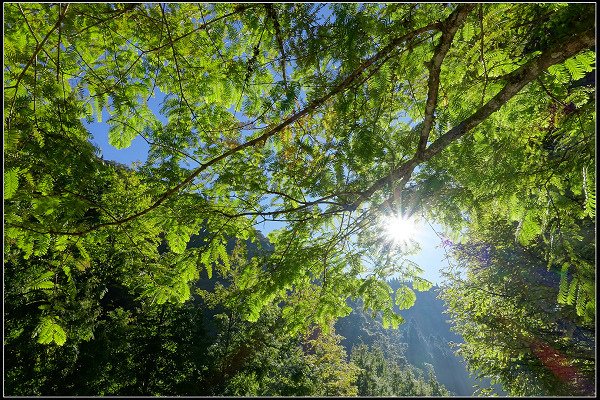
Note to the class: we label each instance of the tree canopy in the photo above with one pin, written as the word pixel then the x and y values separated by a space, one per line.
pixel 328 118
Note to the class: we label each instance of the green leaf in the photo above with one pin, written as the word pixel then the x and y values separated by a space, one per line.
pixel 563 286
pixel 49 331
pixel 188 271
pixel 529 230
pixel 11 183
pixel 405 297
pixel 586 60
pixel 575 68
pixel 45 285
pixel 420 284
pixel 571 296
pixel 177 241
pixel 468 32
pixel 97 108
pixel 162 295
pixel 391 319
pixel 41 282
pixel 61 243
pixel 205 258
pixel 589 190
pixel 222 253
pixel 121 136
pixel 41 245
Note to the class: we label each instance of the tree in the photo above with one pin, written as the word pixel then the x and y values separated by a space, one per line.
pixel 525 322
pixel 201 347
pixel 326 117
pixel 390 375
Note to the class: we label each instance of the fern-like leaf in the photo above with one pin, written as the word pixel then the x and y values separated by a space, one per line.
pixel 589 191
pixel 575 68
pixel 48 331
pixel 41 282
pixel 11 183
pixel 572 294
pixel 405 297
pixel 563 287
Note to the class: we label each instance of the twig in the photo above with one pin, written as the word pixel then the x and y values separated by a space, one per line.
pixel 38 48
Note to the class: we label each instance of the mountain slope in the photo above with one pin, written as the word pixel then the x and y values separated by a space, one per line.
pixel 424 338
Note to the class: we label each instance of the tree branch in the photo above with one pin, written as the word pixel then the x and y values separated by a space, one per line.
pixel 38 48
pixel 521 77
pixel 517 80
pixel 481 49
pixel 450 27
pixel 177 69
pixel 272 13
pixel 312 106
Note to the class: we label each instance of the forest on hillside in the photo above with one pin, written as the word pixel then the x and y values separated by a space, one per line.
pixel 291 146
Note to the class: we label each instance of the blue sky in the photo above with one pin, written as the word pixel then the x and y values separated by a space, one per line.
pixel 432 256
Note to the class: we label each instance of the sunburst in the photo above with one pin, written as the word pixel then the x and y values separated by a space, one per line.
pixel 400 229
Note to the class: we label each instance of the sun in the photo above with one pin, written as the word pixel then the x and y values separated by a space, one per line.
pixel 400 229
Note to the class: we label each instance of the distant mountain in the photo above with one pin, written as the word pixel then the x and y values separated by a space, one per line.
pixel 424 338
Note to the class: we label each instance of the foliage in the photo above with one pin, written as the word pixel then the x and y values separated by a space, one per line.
pixel 385 376
pixel 505 306
pixel 326 117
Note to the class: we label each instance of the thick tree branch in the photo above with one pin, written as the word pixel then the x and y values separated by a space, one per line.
pixel 517 80
pixel 450 27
